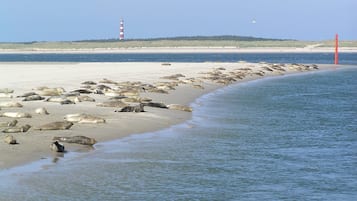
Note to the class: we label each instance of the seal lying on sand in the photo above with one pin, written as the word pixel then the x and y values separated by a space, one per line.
pixel 52 91
pixel 116 103
pixel 6 91
pixel 8 123
pixel 41 110
pixel 10 104
pixel 84 118
pixel 77 139
pixel 5 95
pixel 135 108
pixel 58 125
pixel 17 129
pixel 16 115
pixel 27 94
pixel 179 107
pixel 9 139
pixel 57 147
pixel 60 99
pixel 154 104
pixel 33 98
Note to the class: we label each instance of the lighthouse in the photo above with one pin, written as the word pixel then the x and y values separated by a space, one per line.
pixel 121 33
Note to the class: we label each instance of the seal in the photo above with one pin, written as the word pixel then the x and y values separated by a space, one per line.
pixel 5 95
pixel 57 147
pixel 41 110
pixel 89 83
pixel 16 115
pixel 17 129
pixel 9 139
pixel 58 125
pixel 6 91
pixel 179 107
pixel 83 91
pixel 116 103
pixel 51 91
pixel 154 104
pixel 135 108
pixel 84 118
pixel 27 94
pixel 77 139
pixel 10 104
pixel 59 99
pixel 33 98
pixel 8 123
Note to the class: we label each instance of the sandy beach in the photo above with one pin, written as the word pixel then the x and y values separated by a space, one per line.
pixel 184 82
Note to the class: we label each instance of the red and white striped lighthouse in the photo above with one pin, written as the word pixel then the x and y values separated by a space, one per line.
pixel 121 33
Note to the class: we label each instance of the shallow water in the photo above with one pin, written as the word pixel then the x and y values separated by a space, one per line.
pixel 286 138
pixel 309 58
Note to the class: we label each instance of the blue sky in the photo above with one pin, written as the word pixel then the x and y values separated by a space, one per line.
pixel 64 20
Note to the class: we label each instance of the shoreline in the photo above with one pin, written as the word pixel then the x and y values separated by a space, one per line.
pixel 153 120
pixel 173 50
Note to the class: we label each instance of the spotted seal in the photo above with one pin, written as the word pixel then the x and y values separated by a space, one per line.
pixel 135 108
pixel 179 107
pixel 76 139
pixel 58 125
pixel 10 104
pixel 8 123
pixel 57 147
pixel 9 139
pixel 84 118
pixel 41 110
pixel 16 115
pixel 33 98
pixel 17 129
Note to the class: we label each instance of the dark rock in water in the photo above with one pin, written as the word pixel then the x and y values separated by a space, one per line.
pixel 158 105
pixel 77 139
pixel 136 108
pixel 57 147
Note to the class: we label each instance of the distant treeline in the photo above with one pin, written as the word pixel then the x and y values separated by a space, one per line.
pixel 195 38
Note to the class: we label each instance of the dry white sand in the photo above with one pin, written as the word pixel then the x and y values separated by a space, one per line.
pixel 34 145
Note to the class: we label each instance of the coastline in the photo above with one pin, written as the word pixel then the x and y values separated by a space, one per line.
pixel 34 145
pixel 148 50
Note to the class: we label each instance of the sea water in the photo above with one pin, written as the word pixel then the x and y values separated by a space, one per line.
pixel 309 58
pixel 286 138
